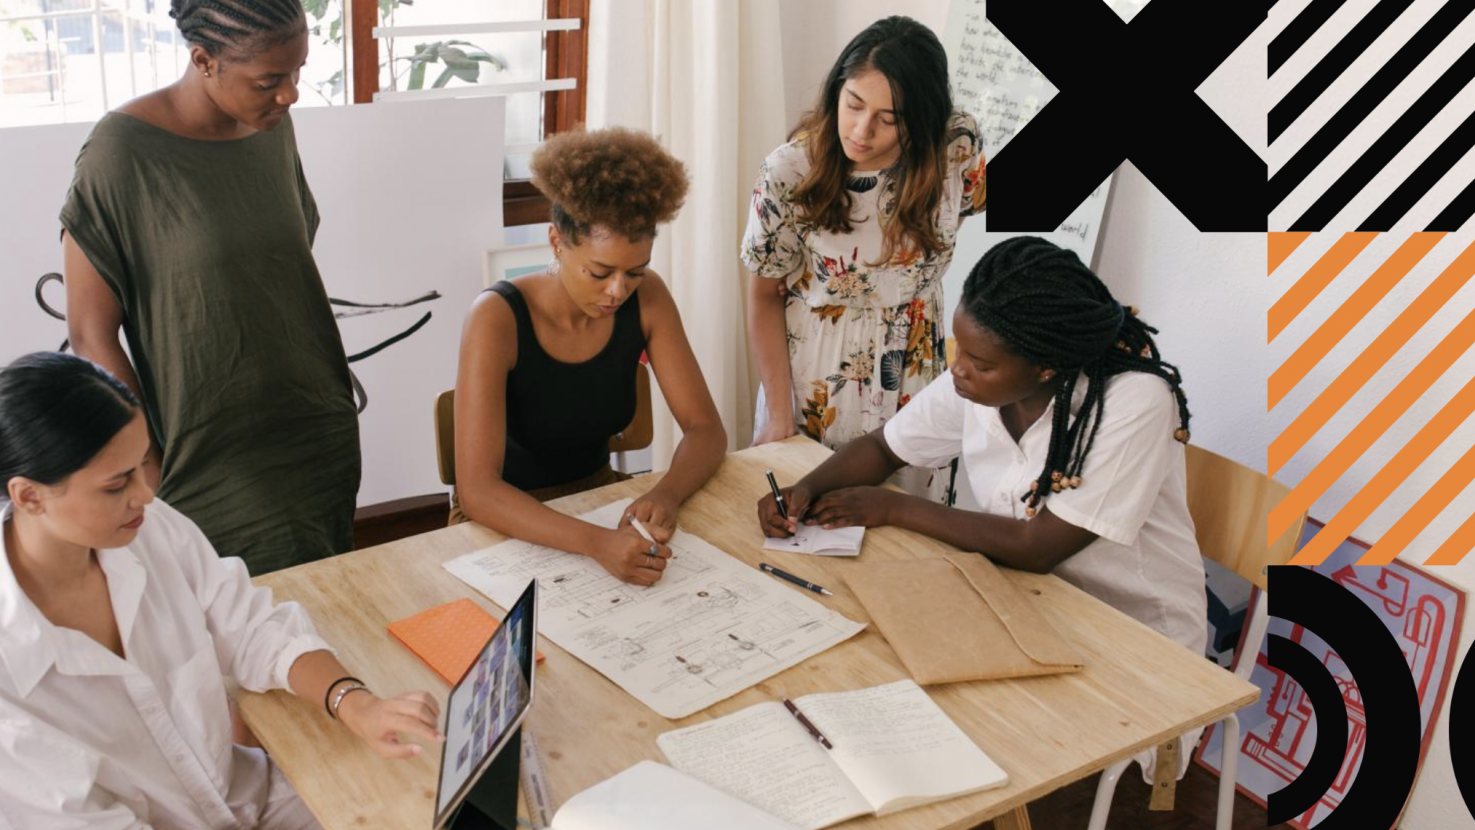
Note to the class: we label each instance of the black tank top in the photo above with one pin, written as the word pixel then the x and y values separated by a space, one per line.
pixel 560 416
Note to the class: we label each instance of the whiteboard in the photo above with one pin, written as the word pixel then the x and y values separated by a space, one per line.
pixel 410 196
pixel 1002 90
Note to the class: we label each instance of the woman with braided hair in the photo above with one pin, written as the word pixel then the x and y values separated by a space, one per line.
pixel 189 228
pixel 1070 427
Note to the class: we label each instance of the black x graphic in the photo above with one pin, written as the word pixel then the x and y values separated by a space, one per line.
pixel 1127 92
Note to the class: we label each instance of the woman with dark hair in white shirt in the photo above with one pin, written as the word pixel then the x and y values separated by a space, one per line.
pixel 119 625
pixel 1070 429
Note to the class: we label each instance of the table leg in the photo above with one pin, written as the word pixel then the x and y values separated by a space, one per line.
pixel 1016 819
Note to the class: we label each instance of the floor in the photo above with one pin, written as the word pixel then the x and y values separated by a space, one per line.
pixel 1197 797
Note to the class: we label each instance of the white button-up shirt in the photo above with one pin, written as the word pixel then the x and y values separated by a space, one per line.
pixel 1133 494
pixel 88 739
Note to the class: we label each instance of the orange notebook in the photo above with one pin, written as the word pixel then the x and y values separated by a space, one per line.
pixel 447 637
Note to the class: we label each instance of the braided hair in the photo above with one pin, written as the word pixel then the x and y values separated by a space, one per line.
pixel 220 25
pixel 1049 308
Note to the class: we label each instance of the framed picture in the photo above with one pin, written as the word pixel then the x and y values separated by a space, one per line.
pixel 506 263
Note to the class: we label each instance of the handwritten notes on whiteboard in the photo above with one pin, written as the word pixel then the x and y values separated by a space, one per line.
pixel 1004 91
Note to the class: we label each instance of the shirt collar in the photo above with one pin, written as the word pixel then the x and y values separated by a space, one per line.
pixel 30 644
pixel 1044 422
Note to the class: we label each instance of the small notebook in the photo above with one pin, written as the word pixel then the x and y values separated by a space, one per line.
pixel 447 637
pixel 959 618
pixel 844 541
pixel 893 749
pixel 652 796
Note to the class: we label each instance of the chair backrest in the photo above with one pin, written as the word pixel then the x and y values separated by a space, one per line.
pixel 1230 504
pixel 637 436
pixel 642 430
pixel 445 436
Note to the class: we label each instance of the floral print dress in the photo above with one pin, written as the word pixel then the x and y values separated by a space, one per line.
pixel 863 339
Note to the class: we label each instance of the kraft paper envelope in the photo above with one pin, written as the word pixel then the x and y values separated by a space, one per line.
pixel 958 619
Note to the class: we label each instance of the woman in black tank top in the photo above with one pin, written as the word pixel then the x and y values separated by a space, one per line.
pixel 548 361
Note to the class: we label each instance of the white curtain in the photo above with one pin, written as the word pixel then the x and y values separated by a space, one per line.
pixel 706 78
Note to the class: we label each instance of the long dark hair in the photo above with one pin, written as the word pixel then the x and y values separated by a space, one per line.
pixel 915 65
pixel 1048 307
pixel 57 411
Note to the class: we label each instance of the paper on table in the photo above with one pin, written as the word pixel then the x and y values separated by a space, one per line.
pixel 900 748
pixel 763 756
pixel 843 541
pixel 709 629
pixel 652 796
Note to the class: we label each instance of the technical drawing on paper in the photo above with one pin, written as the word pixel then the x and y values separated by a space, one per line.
pixel 709 629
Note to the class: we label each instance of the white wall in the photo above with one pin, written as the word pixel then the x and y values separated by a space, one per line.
pixel 814 32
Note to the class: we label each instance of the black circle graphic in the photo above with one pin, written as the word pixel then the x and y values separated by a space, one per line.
pixel 1389 699
pixel 1331 728
pixel 1459 735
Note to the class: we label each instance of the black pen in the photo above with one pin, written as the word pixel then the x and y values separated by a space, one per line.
pixel 813 730
pixel 783 509
pixel 788 577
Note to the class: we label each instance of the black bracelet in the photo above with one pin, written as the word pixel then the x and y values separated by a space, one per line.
pixel 329 693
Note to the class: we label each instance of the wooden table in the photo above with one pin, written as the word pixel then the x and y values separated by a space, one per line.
pixel 1138 688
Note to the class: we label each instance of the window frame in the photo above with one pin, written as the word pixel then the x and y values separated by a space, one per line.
pixel 565 53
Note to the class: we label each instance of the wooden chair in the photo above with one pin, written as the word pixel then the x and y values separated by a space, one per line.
pixel 1230 504
pixel 636 436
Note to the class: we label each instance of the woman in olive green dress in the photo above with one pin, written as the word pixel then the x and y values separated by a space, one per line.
pixel 189 228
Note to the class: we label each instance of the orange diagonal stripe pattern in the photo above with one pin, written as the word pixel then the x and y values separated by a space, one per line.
pixel 1372 427
pixel 1331 332
pixel 1306 289
pixel 1461 543
pixel 1283 244
pixel 1373 358
pixel 1429 505
pixel 1394 473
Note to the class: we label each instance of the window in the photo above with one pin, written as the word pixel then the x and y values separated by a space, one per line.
pixel 73 60
pixel 531 51
pixel 63 61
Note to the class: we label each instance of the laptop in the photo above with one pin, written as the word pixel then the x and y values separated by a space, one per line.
pixel 483 713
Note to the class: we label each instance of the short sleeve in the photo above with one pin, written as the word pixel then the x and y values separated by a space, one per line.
pixel 928 430
pixel 309 204
pixel 965 152
pixel 256 639
pixel 771 245
pixel 1126 466
pixel 91 215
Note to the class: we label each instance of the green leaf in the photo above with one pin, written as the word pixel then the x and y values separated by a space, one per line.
pixel 335 29
pixel 445 77
pixel 417 76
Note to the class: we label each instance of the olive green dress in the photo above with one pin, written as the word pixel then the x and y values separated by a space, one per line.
pixel 207 246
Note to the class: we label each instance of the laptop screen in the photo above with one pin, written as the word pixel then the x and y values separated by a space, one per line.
pixel 488 704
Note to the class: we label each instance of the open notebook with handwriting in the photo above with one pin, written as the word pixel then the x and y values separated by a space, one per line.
pixel 893 749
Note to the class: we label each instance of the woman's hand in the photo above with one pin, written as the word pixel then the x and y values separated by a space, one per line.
pixel 796 500
pixel 778 428
pixel 854 507
pixel 379 722
pixel 656 512
pixel 630 558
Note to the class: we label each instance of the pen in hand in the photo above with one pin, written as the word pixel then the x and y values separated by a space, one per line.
pixel 783 509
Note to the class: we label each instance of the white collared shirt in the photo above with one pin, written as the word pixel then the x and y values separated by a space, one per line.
pixel 88 739
pixel 1133 494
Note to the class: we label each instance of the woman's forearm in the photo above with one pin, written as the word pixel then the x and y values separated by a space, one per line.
pixel 515 514
pixel 697 457
pixel 862 462
pixel 769 339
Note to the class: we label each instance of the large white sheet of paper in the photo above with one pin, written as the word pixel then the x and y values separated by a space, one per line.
pixel 709 629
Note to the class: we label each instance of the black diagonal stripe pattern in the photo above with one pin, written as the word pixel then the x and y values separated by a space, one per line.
pixel 1406 62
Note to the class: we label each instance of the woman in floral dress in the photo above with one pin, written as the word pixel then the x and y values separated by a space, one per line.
pixel 852 228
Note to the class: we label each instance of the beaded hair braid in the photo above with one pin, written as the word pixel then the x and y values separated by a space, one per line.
pixel 1048 307
pixel 218 25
